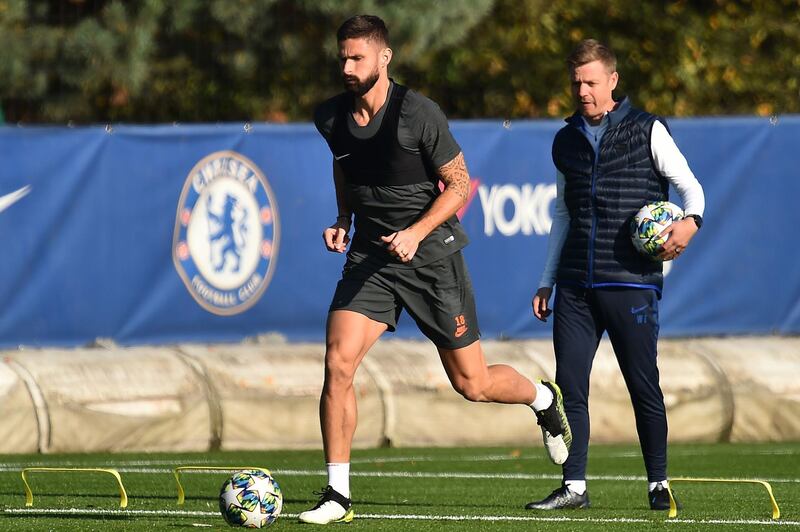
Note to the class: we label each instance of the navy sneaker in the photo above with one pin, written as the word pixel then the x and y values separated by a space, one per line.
pixel 561 499
pixel 659 498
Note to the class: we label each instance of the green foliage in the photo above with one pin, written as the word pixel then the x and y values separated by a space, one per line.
pixel 675 58
pixel 222 60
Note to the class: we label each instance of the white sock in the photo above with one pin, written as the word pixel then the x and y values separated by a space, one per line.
pixel 653 485
pixel 339 478
pixel 544 398
pixel 576 486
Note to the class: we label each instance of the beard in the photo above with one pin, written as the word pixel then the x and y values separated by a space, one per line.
pixel 359 88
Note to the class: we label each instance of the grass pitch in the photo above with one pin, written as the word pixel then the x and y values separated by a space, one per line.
pixel 456 489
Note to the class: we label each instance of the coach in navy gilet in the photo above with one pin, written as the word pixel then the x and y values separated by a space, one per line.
pixel 611 160
pixel 606 183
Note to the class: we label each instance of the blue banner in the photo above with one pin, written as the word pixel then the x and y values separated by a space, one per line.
pixel 161 234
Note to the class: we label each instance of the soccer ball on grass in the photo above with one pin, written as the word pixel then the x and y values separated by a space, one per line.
pixel 250 499
pixel 649 222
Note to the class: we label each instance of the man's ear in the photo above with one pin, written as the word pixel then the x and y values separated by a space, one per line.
pixel 386 57
pixel 614 80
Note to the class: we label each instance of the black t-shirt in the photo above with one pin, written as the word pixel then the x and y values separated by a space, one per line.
pixel 380 205
pixel 422 128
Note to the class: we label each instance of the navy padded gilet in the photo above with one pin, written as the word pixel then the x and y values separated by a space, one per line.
pixel 603 195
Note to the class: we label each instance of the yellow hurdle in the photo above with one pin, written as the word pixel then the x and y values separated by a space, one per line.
pixel 673 509
pixel 177 473
pixel 123 496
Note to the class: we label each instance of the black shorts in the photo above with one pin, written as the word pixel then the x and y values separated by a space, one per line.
pixel 438 296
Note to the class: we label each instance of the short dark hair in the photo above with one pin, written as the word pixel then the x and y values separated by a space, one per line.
pixel 367 27
pixel 589 50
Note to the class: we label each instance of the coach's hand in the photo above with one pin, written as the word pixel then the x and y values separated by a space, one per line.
pixel 680 233
pixel 540 303
pixel 402 244
pixel 336 237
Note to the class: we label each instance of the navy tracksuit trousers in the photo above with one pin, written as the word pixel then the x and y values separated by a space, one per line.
pixel 630 316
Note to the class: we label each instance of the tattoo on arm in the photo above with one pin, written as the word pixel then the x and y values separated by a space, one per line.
pixel 455 177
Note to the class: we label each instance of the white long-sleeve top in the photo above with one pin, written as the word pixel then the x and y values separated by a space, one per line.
pixel 669 161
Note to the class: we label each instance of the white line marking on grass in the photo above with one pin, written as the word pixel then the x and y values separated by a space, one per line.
pixel 478 458
pixel 109 463
pixel 419 474
pixel 496 476
pixel 735 522
pixel 422 458
pixel 778 451
pixel 100 511
pixel 715 453
pixel 386 460
pixel 538 457
pixel 405 517
pixel 499 476
pixel 147 470
pixel 393 459
pixel 555 519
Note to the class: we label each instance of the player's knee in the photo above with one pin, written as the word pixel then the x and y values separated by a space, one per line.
pixel 471 389
pixel 339 370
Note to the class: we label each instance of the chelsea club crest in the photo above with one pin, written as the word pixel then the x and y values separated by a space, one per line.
pixel 226 236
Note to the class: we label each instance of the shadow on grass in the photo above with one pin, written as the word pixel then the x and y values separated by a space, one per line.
pixel 364 503
pixel 95 517
pixel 113 492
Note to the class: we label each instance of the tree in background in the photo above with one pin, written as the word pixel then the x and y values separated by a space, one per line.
pixel 223 60
pixel 63 61
pixel 676 58
pixel 195 60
